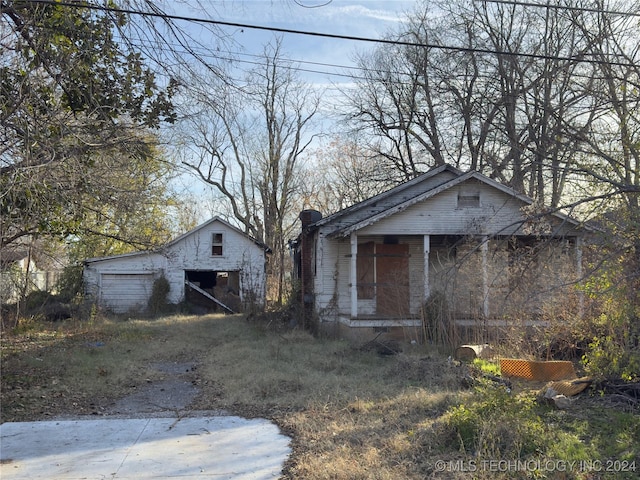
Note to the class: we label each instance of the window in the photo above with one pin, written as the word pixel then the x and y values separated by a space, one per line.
pixel 468 199
pixel 216 244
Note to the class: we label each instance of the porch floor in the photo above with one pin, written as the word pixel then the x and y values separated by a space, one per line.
pixel 368 321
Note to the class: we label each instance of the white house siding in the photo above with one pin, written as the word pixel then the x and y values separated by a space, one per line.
pixel 333 291
pixel 440 215
pixel 135 271
pixel 190 252
pixel 329 257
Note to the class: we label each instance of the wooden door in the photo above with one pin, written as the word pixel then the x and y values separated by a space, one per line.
pixel 392 280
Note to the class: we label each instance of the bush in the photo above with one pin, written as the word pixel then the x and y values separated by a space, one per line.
pixel 43 305
pixel 612 359
pixel 36 300
pixel 70 284
pixel 158 302
pixel 497 424
pixel 614 351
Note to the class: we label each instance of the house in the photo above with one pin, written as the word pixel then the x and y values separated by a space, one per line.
pixel 215 264
pixel 446 247
pixel 28 266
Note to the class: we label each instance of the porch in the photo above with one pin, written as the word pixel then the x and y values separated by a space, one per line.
pixel 476 279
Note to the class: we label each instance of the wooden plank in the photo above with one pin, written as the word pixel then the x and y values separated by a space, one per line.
pixel 392 280
pixel 208 295
pixel 366 270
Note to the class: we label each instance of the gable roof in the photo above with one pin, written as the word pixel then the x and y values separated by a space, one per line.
pixel 373 202
pixel 227 225
pixel 181 238
pixel 403 196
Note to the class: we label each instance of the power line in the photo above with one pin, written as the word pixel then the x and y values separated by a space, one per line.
pixel 166 16
pixel 562 7
pixel 287 63
pixel 293 64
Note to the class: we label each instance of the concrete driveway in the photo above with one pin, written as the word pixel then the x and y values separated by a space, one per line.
pixel 220 447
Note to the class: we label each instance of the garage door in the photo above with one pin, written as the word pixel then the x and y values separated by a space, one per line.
pixel 121 293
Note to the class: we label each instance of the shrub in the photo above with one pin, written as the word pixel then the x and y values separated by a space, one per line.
pixel 612 358
pixel 70 283
pixel 36 300
pixel 158 300
pixel 497 424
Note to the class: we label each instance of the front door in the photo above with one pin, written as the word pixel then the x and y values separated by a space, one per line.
pixel 392 280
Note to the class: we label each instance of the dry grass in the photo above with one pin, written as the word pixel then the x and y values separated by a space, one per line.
pixel 351 413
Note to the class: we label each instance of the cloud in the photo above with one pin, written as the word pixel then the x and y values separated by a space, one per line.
pixel 361 11
pixel 334 17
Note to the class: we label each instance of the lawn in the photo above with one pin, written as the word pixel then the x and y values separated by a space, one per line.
pixel 351 412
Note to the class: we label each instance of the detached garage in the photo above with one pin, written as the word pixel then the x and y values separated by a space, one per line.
pixel 214 265
pixel 125 291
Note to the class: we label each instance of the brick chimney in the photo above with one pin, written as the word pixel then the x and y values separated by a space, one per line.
pixel 307 217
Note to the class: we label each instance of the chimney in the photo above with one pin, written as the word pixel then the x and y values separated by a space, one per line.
pixel 307 217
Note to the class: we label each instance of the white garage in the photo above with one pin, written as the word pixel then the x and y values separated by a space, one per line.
pixel 215 264
pixel 122 292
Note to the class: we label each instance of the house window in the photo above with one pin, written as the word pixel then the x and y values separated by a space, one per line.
pixel 216 244
pixel 468 199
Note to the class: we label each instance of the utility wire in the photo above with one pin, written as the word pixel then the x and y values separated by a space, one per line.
pixel 294 64
pixel 562 7
pixel 166 16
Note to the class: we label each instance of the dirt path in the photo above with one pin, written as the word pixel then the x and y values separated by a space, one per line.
pixel 173 392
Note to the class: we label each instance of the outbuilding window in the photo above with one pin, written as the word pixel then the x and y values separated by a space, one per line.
pixel 216 244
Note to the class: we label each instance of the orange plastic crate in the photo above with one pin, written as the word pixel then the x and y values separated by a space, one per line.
pixel 542 371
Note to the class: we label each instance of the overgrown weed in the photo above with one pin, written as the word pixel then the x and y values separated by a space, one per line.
pixel 351 413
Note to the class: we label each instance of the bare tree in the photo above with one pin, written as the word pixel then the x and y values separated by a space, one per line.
pixel 502 96
pixel 610 147
pixel 249 142
pixel 344 172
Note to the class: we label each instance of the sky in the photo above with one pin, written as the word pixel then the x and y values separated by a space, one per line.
pixel 356 18
pixel 360 18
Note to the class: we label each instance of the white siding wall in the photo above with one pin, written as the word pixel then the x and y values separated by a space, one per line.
pixel 146 266
pixel 334 290
pixel 440 215
pixel 190 252
pixel 498 214
pixel 239 253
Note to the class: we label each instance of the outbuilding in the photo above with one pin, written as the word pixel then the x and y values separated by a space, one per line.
pixel 215 265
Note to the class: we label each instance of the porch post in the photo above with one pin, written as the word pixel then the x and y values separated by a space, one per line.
pixel 484 248
pixel 427 249
pixel 353 275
